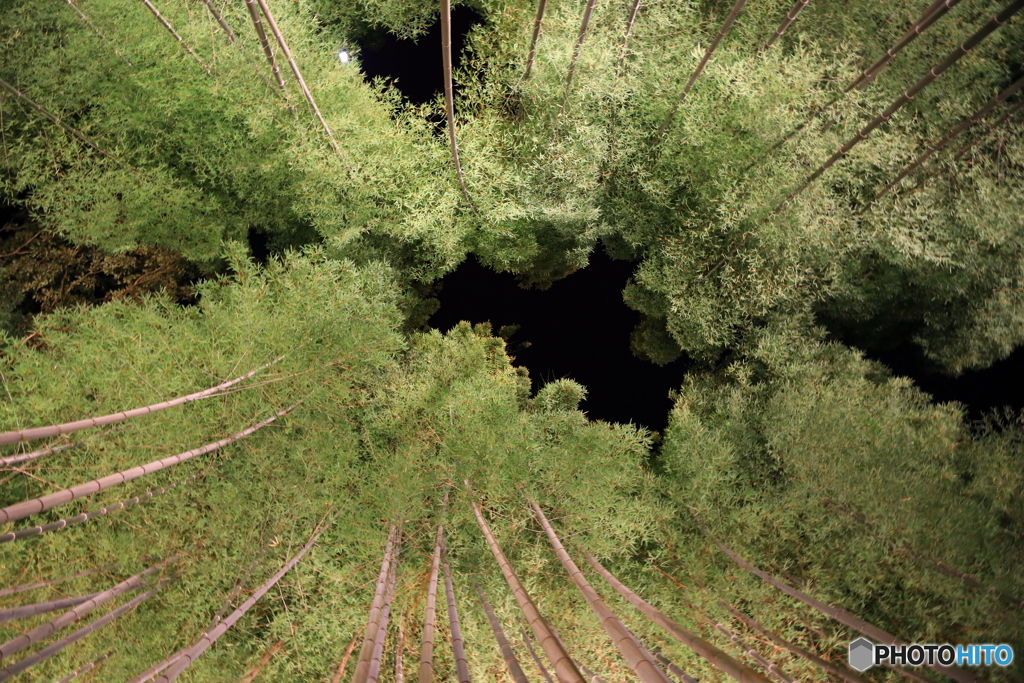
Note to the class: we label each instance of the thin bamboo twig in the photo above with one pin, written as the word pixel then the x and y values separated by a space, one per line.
pixel 726 25
pixel 580 38
pixel 538 20
pixel 33 636
pixel 263 661
pixel 643 666
pixel 683 676
pixel 181 41
pixel 69 427
pixel 191 654
pixel 714 656
pixel 565 670
pixel 511 663
pixel 34 506
pixel 51 582
pixel 791 16
pixel 24 457
pixel 449 94
pixel 85 669
pixel 86 516
pixel 426 667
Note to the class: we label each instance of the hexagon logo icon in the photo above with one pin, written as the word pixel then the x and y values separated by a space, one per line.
pixel 862 654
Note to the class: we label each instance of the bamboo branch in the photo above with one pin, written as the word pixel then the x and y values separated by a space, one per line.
pixel 726 25
pixel 181 41
pixel 340 673
pixel 715 657
pixel 644 667
pixel 995 124
pixel 34 506
pixel 449 94
pixel 24 457
pixel 191 654
pixel 373 621
pixel 936 71
pixel 85 669
pixel 533 653
pixel 683 676
pixel 582 36
pixel 99 34
pixel 628 33
pixel 69 427
pixel 536 35
pixel 565 670
pixel 790 18
pixel 263 661
pixel 426 668
pixel 220 20
pixel 511 663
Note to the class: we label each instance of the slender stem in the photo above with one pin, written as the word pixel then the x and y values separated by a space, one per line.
pixel 220 20
pixel 24 457
pixel 340 673
pixel 455 629
pixel 268 51
pixel 533 653
pixel 514 669
pixel 385 614
pixel 449 94
pixel 582 36
pixel 426 668
pixel 628 33
pixel 85 669
pixel 791 16
pixel 768 666
pixel 181 41
pixel 538 20
pixel 373 621
pixel 51 582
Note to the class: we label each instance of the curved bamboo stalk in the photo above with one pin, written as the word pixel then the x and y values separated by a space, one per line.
pixel 449 94
pixel 51 582
pixel 565 670
pixel 536 35
pixel 848 676
pixel 181 41
pixel 15 613
pixel 768 666
pixel 268 51
pixel 726 25
pixel 841 615
pixel 426 668
pixel 298 74
pixel 952 135
pixel 85 669
pixel 584 25
pixel 511 663
pixel 382 632
pixel 533 653
pixel 69 427
pixel 930 16
pixel 191 654
pixel 51 650
pixel 455 629
pixel 717 658
pixel 28 508
pixel 86 516
pixel 73 132
pixel 24 457
pixel 33 636
pixel 936 71
pixel 340 673
pixel 791 16
pixel 644 667
pixel 373 620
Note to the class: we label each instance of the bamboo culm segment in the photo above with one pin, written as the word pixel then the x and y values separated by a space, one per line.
pixel 86 516
pixel 514 669
pixel 181 41
pixel 373 621
pixel 385 615
pixel 533 653
pixel 15 613
pixel 69 427
pixel 268 51
pixel 449 95
pixel 584 26
pixel 426 668
pixel 644 667
pixel 34 506
pixel 910 93
pixel 36 635
pixel 537 22
pixel 454 627
pixel 340 673
pixel 565 670
pixel 768 666
pixel 191 654
pixel 25 457
pixel 683 676
pixel 718 659
pixel 791 16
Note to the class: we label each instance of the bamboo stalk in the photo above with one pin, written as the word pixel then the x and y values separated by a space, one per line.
pixel 533 653
pixel 936 71
pixel 683 676
pixel 426 668
pixel 15 613
pixel 382 632
pixel 399 649
pixel 37 634
pixel 791 16
pixel 340 673
pixel 768 666
pixel 455 629
pixel 841 615
pixel 50 650
pixel 449 94
pixel 726 25
pixel 191 654
pixel 848 676
pixel 263 661
pixel 628 33
pixel 268 51
pixel 538 20
pixel 717 658
pixel 24 457
pixel 220 20
pixel 644 667
pixel 69 427
pixel 73 132
pixel 373 620
pixel 930 16
pixel 582 36
pixel 181 41
pixel 670 668
pixel 42 584
pixel 565 669
pixel 99 34
pixel 511 663
pixel 85 669
pixel 995 124
pixel 298 74
pixel 941 144
pixel 236 589
pixel 86 516
pixel 34 506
